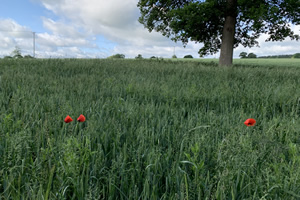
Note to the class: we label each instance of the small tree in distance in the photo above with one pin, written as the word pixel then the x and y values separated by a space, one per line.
pixel 117 56
pixel 139 56
pixel 188 56
pixel 243 55
pixel 252 55
pixel 17 52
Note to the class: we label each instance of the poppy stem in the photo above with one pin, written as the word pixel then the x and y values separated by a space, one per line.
pixel 67 130
pixel 76 129
pixel 64 130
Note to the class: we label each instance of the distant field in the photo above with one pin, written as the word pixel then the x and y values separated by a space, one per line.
pixel 276 62
pixel 154 129
pixel 281 62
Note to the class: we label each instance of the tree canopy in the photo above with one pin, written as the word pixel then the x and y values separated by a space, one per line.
pixel 252 55
pixel 206 21
pixel 17 52
pixel 243 55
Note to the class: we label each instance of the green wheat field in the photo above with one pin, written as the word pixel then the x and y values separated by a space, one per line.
pixel 154 129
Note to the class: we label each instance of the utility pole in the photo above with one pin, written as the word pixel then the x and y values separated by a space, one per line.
pixel 33 34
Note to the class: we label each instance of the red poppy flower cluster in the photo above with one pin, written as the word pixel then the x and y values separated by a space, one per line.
pixel 68 119
pixel 250 122
pixel 81 118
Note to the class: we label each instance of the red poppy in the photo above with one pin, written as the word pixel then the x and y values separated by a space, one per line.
pixel 68 119
pixel 81 118
pixel 250 122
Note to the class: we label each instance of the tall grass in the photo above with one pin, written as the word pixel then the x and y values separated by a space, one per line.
pixel 154 130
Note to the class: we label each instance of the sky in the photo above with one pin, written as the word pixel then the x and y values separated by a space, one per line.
pixel 98 29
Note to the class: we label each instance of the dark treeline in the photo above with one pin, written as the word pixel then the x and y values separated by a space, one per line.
pixel 297 55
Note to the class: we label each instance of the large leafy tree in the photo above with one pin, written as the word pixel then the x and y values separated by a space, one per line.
pixel 221 24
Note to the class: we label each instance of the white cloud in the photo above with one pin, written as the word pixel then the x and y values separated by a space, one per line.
pixel 117 21
pixel 13 28
pixel 60 28
pixel 11 35
pixel 113 13
pixel 64 40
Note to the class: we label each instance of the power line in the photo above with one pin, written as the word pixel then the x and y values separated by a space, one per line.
pixel 15 31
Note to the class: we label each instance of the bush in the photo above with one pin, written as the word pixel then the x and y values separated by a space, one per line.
pixel 174 56
pixel 117 56
pixel 188 56
pixel 139 56
pixel 28 56
pixel 18 56
pixel 296 55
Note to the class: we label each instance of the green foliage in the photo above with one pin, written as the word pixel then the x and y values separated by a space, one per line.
pixel 155 129
pixel 243 55
pixel 18 56
pixel 17 52
pixel 203 21
pixel 174 56
pixel 252 55
pixel 117 56
pixel 139 56
pixel 188 56
pixel 28 57
pixel 296 55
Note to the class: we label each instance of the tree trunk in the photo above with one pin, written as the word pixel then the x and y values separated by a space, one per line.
pixel 226 54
